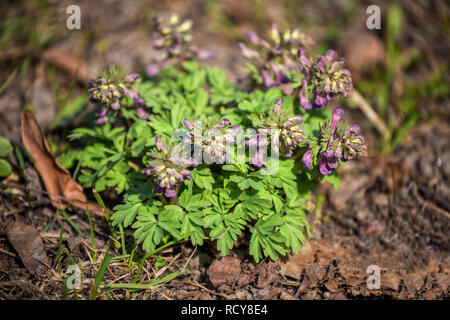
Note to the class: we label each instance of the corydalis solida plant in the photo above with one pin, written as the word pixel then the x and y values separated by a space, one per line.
pixel 289 127
pixel 173 41
pixel 112 89
pixel 270 61
pixel 337 141
pixel 170 196
pixel 324 80
pixel 212 138
pixel 167 170
pixel 283 60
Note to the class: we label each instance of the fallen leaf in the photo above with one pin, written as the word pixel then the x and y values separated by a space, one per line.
pixel 224 273
pixel 267 273
pixel 332 285
pixel 297 262
pixel 62 189
pixel 320 252
pixel 28 244
pixel 391 280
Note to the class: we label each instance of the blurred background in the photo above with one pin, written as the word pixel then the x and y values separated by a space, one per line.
pixel 393 207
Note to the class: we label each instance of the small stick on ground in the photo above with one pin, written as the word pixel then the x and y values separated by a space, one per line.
pixel 196 284
pixel 161 271
pixel 8 253
pixel 370 113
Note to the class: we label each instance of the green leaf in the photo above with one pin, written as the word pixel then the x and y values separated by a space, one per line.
pixel 148 232
pixel 125 213
pixel 293 230
pixel 203 178
pixel 5 168
pixel 5 147
pixel 333 179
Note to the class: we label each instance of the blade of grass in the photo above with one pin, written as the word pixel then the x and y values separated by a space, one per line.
pixel 48 226
pixel 75 173
pixel 122 239
pixel 143 286
pixel 130 261
pixel 100 274
pixel 91 227
pixel 107 216
pixel 60 248
pixel 20 158
pixel 8 81
pixel 120 257
pixel 168 244
pixel 72 224
pixel 65 289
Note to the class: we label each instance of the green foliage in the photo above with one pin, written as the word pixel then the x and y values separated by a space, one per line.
pixel 5 168
pixel 220 202
pixel 5 147
pixel 5 150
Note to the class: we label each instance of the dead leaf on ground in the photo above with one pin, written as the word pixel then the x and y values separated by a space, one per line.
pixel 62 189
pixel 320 252
pixel 391 280
pixel 267 273
pixel 224 273
pixel 28 244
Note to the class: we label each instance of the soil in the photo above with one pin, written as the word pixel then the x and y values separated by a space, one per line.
pixel 393 212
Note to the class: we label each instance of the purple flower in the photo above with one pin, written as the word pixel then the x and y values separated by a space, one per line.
pixel 202 54
pixel 272 60
pixel 160 145
pixel 167 169
pixel 288 126
pixel 247 52
pixel 278 73
pixel 268 80
pixel 324 80
pixel 257 159
pixel 323 166
pixel 337 141
pixel 142 114
pixel 277 106
pixel 291 135
pixel 303 59
pixel 111 89
pixel 353 144
pixel 257 40
pixel 338 113
pixel 188 124
pixel 131 77
pixel 215 136
pixel 260 140
pixel 306 159
pixel 153 70
pixel 172 37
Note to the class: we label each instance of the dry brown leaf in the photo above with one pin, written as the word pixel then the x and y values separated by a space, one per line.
pixel 267 273
pixel 62 189
pixel 225 272
pixel 28 244
pixel 318 252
